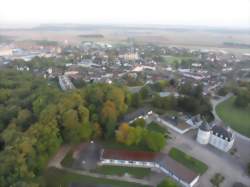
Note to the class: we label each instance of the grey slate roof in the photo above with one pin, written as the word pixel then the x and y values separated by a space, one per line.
pixel 221 131
pixel 204 126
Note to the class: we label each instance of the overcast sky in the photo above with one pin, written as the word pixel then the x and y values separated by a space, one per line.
pixel 222 13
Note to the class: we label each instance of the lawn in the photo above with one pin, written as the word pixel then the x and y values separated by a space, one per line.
pixel 118 170
pixel 238 119
pixel 58 178
pixel 188 161
pixel 156 127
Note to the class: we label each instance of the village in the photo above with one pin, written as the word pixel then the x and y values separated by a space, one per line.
pixel 174 91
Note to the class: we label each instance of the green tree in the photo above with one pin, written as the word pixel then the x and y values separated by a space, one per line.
pixel 155 141
pixel 136 100
pixel 109 117
pixel 167 183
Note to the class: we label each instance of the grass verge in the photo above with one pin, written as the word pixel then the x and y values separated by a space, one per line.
pixel 188 161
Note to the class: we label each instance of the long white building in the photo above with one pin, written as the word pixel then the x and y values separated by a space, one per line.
pixel 157 161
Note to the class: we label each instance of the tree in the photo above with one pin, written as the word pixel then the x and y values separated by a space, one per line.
pixel 97 130
pixel 129 135
pixel 136 100
pixel 139 123
pixel 83 113
pixel 70 126
pixel 122 133
pixel 155 141
pixel 167 182
pixel 242 99
pixel 217 179
pixel 117 95
pixel 109 117
pixel 145 92
pixel 23 118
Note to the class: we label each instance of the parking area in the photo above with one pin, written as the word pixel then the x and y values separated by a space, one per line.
pixel 231 167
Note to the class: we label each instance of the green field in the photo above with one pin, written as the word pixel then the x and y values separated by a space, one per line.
pixel 188 161
pixel 58 178
pixel 238 119
pixel 118 170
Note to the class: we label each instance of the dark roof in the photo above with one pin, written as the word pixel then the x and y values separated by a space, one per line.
pixel 221 131
pixel 136 114
pixel 129 155
pixel 204 126
pixel 196 118
pixel 175 121
pixel 177 169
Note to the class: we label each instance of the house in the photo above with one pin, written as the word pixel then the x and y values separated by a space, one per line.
pixel 177 124
pixel 194 121
pixel 217 136
pixel 157 161
pixel 141 113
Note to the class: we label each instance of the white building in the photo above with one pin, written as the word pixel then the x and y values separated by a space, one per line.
pixel 157 161
pixel 217 136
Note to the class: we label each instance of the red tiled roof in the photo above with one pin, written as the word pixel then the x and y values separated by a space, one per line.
pixel 129 155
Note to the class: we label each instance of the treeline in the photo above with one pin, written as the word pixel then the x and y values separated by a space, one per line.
pixel 137 134
pixel 37 118
pixel 91 36
pixel 190 99
pixel 242 92
pixel 238 45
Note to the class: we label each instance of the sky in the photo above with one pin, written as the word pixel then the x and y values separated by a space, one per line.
pixel 219 13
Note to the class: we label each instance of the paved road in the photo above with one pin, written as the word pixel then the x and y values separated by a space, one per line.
pixel 229 166
pixel 217 118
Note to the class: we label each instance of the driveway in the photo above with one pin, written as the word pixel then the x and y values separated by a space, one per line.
pixel 231 167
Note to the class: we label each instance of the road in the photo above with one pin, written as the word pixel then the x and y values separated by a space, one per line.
pixel 217 118
pixel 229 166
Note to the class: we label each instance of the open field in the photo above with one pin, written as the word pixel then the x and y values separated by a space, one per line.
pixel 188 161
pixel 238 119
pixel 58 178
pixel 174 59
pixel 190 38
pixel 121 170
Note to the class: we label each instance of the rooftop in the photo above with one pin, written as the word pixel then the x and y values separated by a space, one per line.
pixel 129 155
pixel 140 112
pixel 221 131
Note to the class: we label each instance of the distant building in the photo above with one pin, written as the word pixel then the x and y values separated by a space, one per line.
pixel 130 56
pixel 217 136
pixel 5 51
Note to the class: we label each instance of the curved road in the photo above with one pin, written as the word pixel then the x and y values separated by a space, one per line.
pixel 217 118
